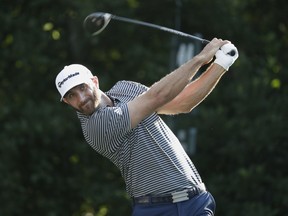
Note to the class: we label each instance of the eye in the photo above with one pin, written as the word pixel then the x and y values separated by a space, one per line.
pixel 70 95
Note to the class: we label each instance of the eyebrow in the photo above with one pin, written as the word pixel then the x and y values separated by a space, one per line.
pixel 69 91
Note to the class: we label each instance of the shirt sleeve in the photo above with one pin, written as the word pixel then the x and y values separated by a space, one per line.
pixel 107 128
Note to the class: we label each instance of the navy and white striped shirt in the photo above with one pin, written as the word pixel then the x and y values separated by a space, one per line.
pixel 150 157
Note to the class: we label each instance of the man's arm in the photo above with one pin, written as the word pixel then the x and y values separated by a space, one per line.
pixel 195 92
pixel 171 85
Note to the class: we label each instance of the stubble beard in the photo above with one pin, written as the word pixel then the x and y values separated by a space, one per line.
pixel 91 104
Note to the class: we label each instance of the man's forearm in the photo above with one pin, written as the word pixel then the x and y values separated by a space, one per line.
pixel 195 92
pixel 199 89
pixel 172 84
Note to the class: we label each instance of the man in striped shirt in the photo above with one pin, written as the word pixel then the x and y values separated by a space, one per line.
pixel 123 124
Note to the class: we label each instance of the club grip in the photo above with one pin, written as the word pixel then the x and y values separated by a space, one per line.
pixel 204 41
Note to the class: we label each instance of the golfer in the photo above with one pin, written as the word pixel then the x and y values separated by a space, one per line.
pixel 123 124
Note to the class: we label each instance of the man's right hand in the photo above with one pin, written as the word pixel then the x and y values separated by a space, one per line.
pixel 208 52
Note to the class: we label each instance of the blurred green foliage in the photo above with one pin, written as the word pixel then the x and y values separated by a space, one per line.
pixel 242 143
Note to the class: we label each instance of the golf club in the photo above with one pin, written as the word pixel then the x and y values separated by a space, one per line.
pixel 96 22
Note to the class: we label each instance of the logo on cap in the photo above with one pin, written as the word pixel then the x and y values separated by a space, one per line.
pixel 67 78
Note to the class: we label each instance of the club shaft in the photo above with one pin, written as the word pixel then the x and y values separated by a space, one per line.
pixel 173 31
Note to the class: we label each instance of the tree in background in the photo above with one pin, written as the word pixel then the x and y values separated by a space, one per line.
pixel 46 166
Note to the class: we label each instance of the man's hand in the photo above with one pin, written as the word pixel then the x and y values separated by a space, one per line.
pixel 208 52
pixel 226 56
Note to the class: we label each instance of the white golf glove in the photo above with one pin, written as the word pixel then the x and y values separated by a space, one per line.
pixel 226 56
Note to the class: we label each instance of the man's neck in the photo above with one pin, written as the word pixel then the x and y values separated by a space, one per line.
pixel 106 101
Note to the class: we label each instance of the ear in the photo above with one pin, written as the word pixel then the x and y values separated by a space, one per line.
pixel 65 101
pixel 95 81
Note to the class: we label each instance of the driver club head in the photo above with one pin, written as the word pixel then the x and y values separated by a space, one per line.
pixel 95 23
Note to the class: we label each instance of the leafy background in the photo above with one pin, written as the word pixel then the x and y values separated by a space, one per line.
pixel 47 168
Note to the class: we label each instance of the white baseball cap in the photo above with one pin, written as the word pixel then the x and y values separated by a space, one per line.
pixel 71 76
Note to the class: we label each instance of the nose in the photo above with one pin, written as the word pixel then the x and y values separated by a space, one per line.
pixel 81 97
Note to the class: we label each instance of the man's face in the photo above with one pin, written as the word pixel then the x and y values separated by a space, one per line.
pixel 84 98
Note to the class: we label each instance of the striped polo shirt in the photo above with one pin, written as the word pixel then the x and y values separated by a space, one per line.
pixel 149 157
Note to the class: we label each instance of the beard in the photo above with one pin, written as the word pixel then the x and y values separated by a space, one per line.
pixel 91 103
